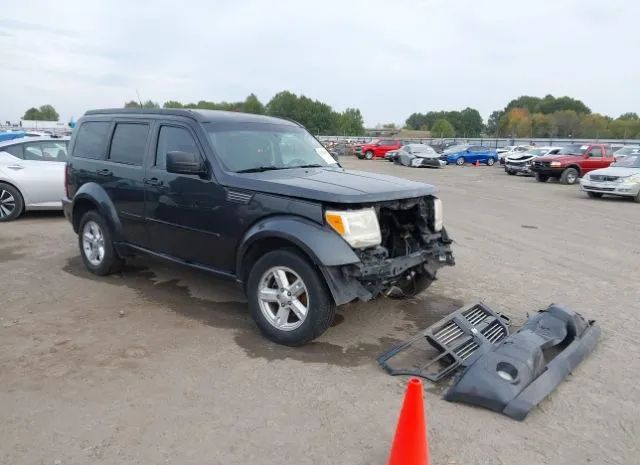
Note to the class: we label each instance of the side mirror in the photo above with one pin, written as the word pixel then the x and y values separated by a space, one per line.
pixel 185 163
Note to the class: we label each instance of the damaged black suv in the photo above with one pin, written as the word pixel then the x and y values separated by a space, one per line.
pixel 254 199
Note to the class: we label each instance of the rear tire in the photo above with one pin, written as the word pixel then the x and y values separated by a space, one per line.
pixel 541 177
pixel 368 155
pixel 594 195
pixel 637 197
pixel 320 308
pixel 569 176
pixel 11 202
pixel 96 245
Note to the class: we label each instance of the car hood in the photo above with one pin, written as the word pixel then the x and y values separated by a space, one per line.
pixel 619 171
pixel 334 185
pixel 520 157
pixel 427 155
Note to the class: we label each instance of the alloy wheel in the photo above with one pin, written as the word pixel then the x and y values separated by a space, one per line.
pixel 7 203
pixel 283 298
pixel 93 243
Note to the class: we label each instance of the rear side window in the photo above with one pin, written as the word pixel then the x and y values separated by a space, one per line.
pixel 91 140
pixel 172 139
pixel 15 150
pixel 46 151
pixel 129 143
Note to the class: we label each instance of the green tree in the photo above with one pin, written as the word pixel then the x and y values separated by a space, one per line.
pixel 350 123
pixel 283 104
pixel 493 123
pixel 253 105
pixel 416 121
pixel 541 125
pixel 48 113
pixel 172 104
pixel 147 104
pixel 32 114
pixel 442 128
pixel 593 125
pixel 565 123
pixel 471 121
pixel 629 116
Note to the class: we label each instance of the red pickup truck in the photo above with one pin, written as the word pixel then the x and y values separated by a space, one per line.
pixel 572 162
pixel 377 148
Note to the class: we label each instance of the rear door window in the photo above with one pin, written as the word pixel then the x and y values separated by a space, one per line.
pixel 129 143
pixel 91 140
pixel 46 151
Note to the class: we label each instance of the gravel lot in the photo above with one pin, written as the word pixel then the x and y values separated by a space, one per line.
pixel 182 376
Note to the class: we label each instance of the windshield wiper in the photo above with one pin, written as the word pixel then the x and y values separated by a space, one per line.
pixel 260 169
pixel 311 165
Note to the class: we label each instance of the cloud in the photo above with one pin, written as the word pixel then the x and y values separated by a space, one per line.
pixel 387 58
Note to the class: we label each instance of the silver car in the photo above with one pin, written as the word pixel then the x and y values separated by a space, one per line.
pixel 31 175
pixel 622 178
pixel 418 155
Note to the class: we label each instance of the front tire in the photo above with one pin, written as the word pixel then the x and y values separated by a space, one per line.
pixel 491 161
pixel 11 202
pixel 368 155
pixel 460 161
pixel 288 298
pixel 569 176
pixel 594 195
pixel 96 245
pixel 512 173
pixel 541 177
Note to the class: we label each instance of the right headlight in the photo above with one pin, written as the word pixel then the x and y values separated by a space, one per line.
pixel 360 228
pixel 438 219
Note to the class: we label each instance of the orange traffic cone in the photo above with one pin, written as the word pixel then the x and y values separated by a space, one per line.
pixel 410 442
pixel 477 163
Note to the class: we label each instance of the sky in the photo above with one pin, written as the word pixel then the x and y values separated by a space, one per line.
pixel 387 58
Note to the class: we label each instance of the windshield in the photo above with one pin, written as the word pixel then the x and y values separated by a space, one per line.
pixel 262 146
pixel 573 149
pixel 536 152
pixel 631 161
pixel 456 148
pixel 627 151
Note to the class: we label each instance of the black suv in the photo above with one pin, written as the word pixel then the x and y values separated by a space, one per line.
pixel 254 199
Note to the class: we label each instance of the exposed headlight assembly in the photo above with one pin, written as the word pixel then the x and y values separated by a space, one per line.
pixel 438 218
pixel 360 228
pixel 633 179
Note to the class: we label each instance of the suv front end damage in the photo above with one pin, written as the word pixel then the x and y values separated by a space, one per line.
pixel 413 245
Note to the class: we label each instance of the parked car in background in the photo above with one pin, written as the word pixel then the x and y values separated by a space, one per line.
pixel 622 178
pixel 461 154
pixel 31 175
pixel 512 150
pixel 520 162
pixel 625 151
pixel 572 162
pixel 377 148
pixel 442 146
pixel 418 155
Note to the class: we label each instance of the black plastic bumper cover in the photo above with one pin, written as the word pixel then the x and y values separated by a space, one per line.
pixel 516 375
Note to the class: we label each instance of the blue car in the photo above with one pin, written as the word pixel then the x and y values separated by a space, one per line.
pixel 461 154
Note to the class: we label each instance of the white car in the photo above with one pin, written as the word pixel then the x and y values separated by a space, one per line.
pixel 31 175
pixel 511 150
pixel 627 150
pixel 622 179
pixel 521 162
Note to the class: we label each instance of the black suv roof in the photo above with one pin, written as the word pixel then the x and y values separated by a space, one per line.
pixel 202 116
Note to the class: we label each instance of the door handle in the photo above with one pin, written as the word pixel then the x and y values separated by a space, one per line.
pixel 15 167
pixel 153 181
pixel 104 172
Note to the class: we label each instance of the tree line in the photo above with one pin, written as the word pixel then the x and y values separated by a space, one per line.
pixel 44 113
pixel 529 116
pixel 317 117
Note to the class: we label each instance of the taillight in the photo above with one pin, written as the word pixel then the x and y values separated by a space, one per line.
pixel 66 180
